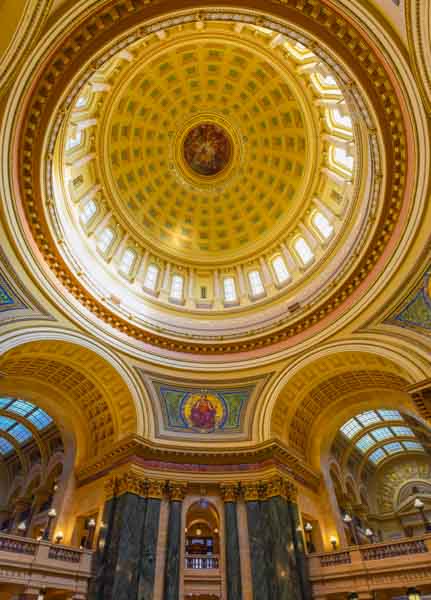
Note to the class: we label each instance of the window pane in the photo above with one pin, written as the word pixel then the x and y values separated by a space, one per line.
pixel 151 276
pixel 255 283
pixel 89 211
pixel 127 261
pixel 322 225
pixel 351 428
pixel 229 289
pixel 304 251
pixel 403 431
pixel 390 415
pixel 393 447
pixel 40 419
pixel 105 239
pixel 74 140
pixel 177 287
pixel 5 401
pixel 384 433
pixel 365 443
pixel 5 423
pixel 343 159
pixel 377 456
pixel 368 418
pixel 5 446
pixel 21 407
pixel 413 446
pixel 280 269
pixel 20 433
pixel 340 120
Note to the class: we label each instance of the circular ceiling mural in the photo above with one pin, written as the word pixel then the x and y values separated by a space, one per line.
pixel 207 149
pixel 213 181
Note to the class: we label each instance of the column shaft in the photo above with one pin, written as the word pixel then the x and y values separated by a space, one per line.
pixel 233 561
pixel 258 556
pixel 172 567
pixel 147 568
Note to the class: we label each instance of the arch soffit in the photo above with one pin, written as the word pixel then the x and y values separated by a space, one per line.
pixel 84 377
pixel 104 365
pixel 401 359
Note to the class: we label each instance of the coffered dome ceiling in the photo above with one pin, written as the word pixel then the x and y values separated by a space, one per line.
pixel 214 181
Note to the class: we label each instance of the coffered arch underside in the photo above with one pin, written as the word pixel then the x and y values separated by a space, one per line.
pixel 84 384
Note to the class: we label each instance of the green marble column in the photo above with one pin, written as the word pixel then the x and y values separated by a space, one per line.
pixel 278 562
pixel 150 534
pixel 233 558
pixel 257 543
pixel 173 551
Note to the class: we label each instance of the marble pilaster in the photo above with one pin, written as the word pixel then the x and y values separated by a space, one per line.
pixel 257 544
pixel 147 568
pixel 233 560
pixel 172 565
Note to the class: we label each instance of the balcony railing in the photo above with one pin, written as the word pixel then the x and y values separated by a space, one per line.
pixel 43 565
pixel 198 561
pixel 393 565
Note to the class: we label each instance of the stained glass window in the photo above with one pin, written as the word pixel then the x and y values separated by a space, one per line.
pixel 403 431
pixel 383 433
pixel 393 447
pixel 21 407
pixel 177 286
pixel 304 251
pixel 151 277
pixel 365 443
pixel 368 418
pixel 229 289
pixel 5 446
pixel 256 284
pixel 377 456
pixel 351 428
pixel 20 432
pixel 39 418
pixel 413 446
pixel 390 415
pixel 280 270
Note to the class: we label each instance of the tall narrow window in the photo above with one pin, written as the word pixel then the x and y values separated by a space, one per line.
pixel 127 261
pixel 106 239
pixel 342 159
pixel 342 121
pixel 74 140
pixel 229 289
pixel 151 277
pixel 256 284
pixel 280 270
pixel 322 224
pixel 89 211
pixel 304 251
pixel 177 285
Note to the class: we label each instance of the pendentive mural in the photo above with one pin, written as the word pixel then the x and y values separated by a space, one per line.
pixel 416 313
pixel 203 411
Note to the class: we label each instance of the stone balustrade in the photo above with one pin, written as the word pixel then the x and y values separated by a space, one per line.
pixel 202 561
pixel 394 565
pixel 41 564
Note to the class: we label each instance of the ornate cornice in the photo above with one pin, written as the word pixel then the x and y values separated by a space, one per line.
pixel 119 20
pixel 207 464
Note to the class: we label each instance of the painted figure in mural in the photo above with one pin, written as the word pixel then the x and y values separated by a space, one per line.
pixel 203 414
pixel 207 149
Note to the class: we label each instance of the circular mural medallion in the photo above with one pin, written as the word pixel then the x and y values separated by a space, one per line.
pixel 207 149
pixel 203 412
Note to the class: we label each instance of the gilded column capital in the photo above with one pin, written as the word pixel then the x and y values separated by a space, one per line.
pixel 155 488
pixel 110 487
pixel 229 491
pixel 176 490
pixel 130 483
pixel 251 491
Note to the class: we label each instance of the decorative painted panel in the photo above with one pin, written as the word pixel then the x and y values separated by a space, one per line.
pixel 203 411
pixel 416 313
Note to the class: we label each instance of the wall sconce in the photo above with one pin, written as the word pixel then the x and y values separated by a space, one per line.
pixel 413 594
pixel 198 532
pixel 91 529
pixel 333 541
pixel 52 513
pixel 370 535
pixel 421 508
pixel 59 537
pixel 308 528
pixel 216 530
pixel 22 528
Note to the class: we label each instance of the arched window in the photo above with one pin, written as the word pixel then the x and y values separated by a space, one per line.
pixel 74 140
pixel 256 284
pixel 106 239
pixel 304 251
pixel 89 211
pixel 151 277
pixel 229 289
pixel 280 270
pixel 342 159
pixel 345 122
pixel 127 261
pixel 177 285
pixel 322 224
